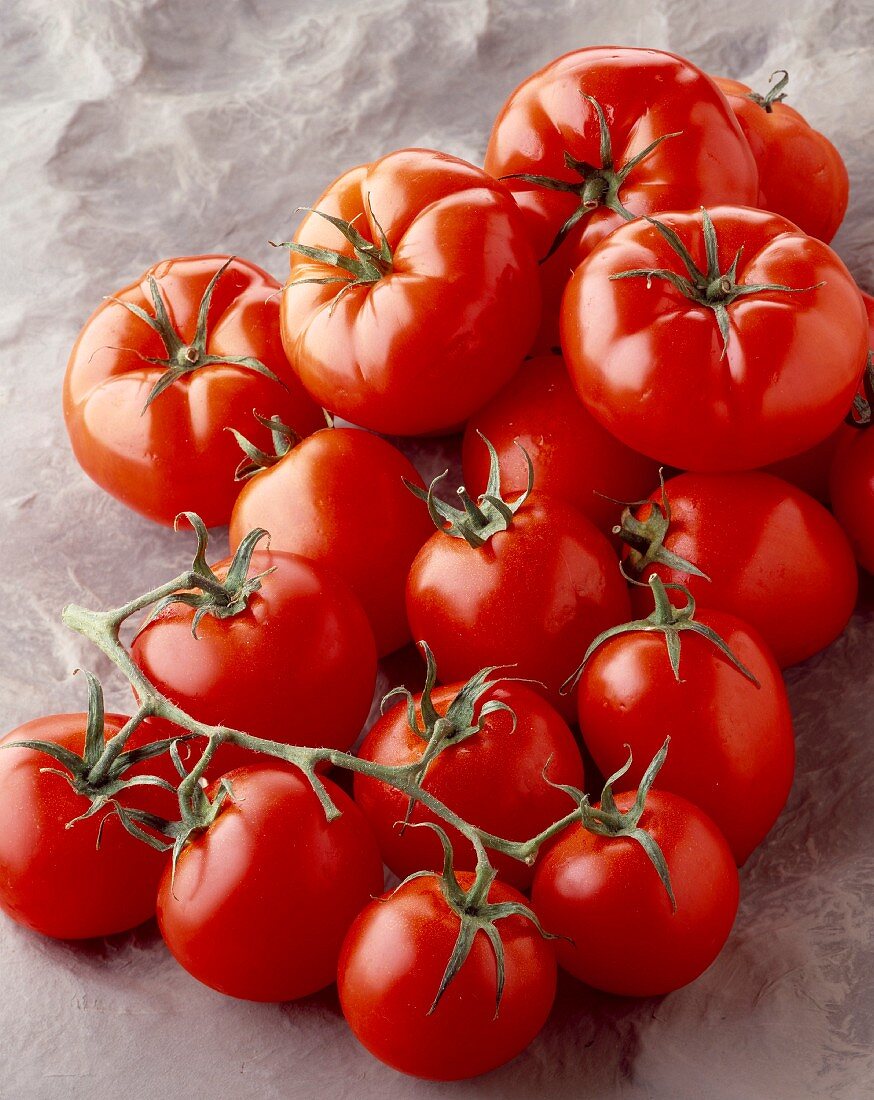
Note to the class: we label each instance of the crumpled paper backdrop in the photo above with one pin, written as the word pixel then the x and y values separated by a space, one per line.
pixel 133 130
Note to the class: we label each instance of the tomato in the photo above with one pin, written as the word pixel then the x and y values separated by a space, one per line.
pixel 651 363
pixel 411 318
pixel 296 664
pixel 656 106
pixel 338 498
pixel 391 967
pixel 801 175
pixel 604 894
pixel 574 458
pixel 54 879
pixel 263 897
pixel 774 556
pixel 172 453
pixel 493 778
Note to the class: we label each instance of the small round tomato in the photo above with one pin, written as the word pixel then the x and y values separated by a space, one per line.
pixel 574 458
pixel 604 895
pixel 392 966
pixel 801 175
pixel 775 558
pixel 338 498
pixel 154 379
pixel 413 293
pixel 263 897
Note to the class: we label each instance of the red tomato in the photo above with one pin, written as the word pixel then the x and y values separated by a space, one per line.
pixel 338 498
pixel 175 455
pixel 574 458
pixel 801 175
pixel 439 307
pixel 603 893
pixel 651 364
pixel 298 664
pixel 54 879
pixel 775 558
pixel 492 778
pixel 263 897
pixel 391 967
pixel 549 128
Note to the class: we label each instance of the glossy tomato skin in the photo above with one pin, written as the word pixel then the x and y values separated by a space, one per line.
pixel 390 970
pixel 851 479
pixel 604 895
pixel 574 458
pixel 298 665
pixel 533 596
pixel 56 880
pixel 802 176
pixel 177 456
pixel 732 750
pixel 648 363
pixel 645 94
pixel 775 557
pixel 493 779
pixel 431 340
pixel 338 498
pixel 263 898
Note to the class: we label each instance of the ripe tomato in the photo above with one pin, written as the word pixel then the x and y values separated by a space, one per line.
pixel 338 498
pixel 391 967
pixel 774 556
pixel 574 458
pixel 263 897
pixel 656 106
pixel 411 318
pixel 851 483
pixel 493 778
pixel 729 373
pixel 801 175
pixel 171 453
pixel 297 664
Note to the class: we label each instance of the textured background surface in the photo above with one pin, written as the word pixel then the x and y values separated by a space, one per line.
pixel 134 130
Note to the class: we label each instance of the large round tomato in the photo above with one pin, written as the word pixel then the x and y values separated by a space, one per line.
pixel 801 175
pixel 652 364
pixel 391 967
pixel 297 664
pixel 573 456
pixel 172 453
pixel 418 313
pixel 263 897
pixel 493 778
pixel 549 128
pixel 339 498
pixel 774 556
pixel 605 896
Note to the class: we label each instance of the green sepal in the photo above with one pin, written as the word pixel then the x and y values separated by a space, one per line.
pixel 255 460
pixel 776 94
pixel 645 538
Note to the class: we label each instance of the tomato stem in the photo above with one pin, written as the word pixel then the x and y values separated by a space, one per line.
pixel 776 94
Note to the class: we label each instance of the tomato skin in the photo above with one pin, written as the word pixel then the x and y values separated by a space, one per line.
pixel 390 970
pixel 851 485
pixel 533 596
pixel 604 894
pixel 648 363
pixel 430 341
pixel 53 879
pixel 262 898
pixel 802 176
pixel 775 556
pixel 574 458
pixel 732 749
pixel 298 665
pixel 644 94
pixel 177 456
pixel 493 779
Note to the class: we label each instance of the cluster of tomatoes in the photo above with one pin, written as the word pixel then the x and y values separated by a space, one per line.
pixel 638 278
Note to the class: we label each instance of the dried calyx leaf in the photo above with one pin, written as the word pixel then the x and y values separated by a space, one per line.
pixel 775 94
pixel 645 538
pixel 859 415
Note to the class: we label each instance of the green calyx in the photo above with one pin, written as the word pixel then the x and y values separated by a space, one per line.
pixel 597 186
pixel 645 538
pixel 476 522
pixel 284 440
pixel 183 359
pixel 714 288
pixel 859 415
pixel 776 94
